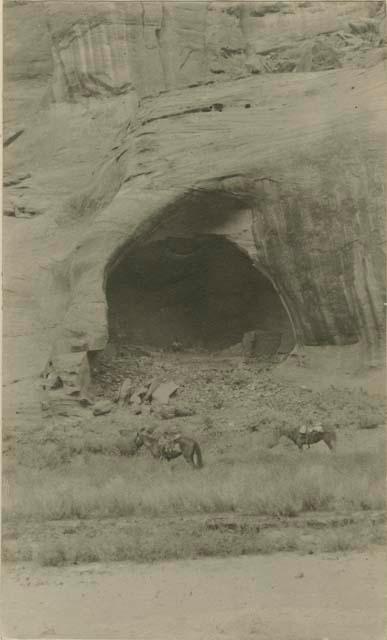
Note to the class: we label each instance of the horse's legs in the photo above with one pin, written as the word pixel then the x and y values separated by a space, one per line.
pixel 190 459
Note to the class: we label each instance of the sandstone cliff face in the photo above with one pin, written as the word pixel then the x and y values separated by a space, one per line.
pixel 126 118
pixel 153 47
pixel 316 206
pixel 74 49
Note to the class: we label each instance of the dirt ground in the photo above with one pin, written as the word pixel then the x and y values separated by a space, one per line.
pixel 280 597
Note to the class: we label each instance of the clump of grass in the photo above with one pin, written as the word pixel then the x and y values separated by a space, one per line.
pixel 240 378
pixel 344 408
pixel 52 555
pixel 370 419
pixel 341 541
pixel 217 401
pixel 208 422
pixel 46 455
pixel 60 451
pixel 8 551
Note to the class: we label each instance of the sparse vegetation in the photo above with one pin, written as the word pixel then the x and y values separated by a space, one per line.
pixel 155 499
pixel 150 540
pixel 108 487
pixel 82 494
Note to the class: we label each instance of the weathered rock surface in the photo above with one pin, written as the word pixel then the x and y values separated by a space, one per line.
pixel 316 202
pixel 125 392
pixel 164 391
pixel 128 117
pixel 102 408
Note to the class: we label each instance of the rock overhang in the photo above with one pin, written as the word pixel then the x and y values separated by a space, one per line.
pixel 301 195
pixel 310 175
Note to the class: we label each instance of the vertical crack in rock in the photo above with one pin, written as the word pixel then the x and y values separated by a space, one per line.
pixel 163 43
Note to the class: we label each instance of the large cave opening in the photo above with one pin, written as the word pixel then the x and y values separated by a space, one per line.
pixel 195 293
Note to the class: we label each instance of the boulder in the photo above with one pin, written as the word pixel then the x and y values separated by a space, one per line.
pixel 165 412
pixel 102 407
pixel 54 381
pixel 137 397
pixel 152 387
pixel 85 402
pixel 164 391
pixel 125 391
pixel 182 411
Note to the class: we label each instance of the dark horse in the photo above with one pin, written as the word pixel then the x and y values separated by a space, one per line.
pixel 168 448
pixel 302 437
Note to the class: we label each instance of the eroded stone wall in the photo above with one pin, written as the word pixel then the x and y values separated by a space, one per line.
pixel 313 189
pixel 121 117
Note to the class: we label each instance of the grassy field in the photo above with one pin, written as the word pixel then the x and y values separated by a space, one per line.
pixel 79 493
pixel 165 506
pixel 157 539
pixel 277 485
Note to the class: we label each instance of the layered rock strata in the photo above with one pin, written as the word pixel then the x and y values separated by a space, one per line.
pixel 126 120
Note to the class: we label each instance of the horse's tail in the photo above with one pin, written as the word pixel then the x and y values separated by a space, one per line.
pixel 197 456
pixel 331 439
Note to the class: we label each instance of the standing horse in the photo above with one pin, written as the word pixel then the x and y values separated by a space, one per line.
pixel 169 448
pixel 302 437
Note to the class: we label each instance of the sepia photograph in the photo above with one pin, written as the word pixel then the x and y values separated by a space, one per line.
pixel 193 320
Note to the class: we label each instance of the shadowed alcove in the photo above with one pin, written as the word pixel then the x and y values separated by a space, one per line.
pixel 202 292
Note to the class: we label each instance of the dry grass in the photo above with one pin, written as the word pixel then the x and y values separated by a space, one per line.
pixel 150 540
pixel 85 473
pixel 102 486
pixel 76 513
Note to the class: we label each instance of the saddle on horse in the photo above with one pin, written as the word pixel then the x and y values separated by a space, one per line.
pixel 317 427
pixel 170 446
pixel 309 434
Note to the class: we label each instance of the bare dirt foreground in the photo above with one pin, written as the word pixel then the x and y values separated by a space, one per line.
pixel 279 597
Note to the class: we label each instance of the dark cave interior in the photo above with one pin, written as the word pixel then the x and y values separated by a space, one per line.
pixel 200 293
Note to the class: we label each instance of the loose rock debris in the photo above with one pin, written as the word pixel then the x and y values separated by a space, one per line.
pixel 164 391
pixel 146 399
pixel 102 408
pixel 124 392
